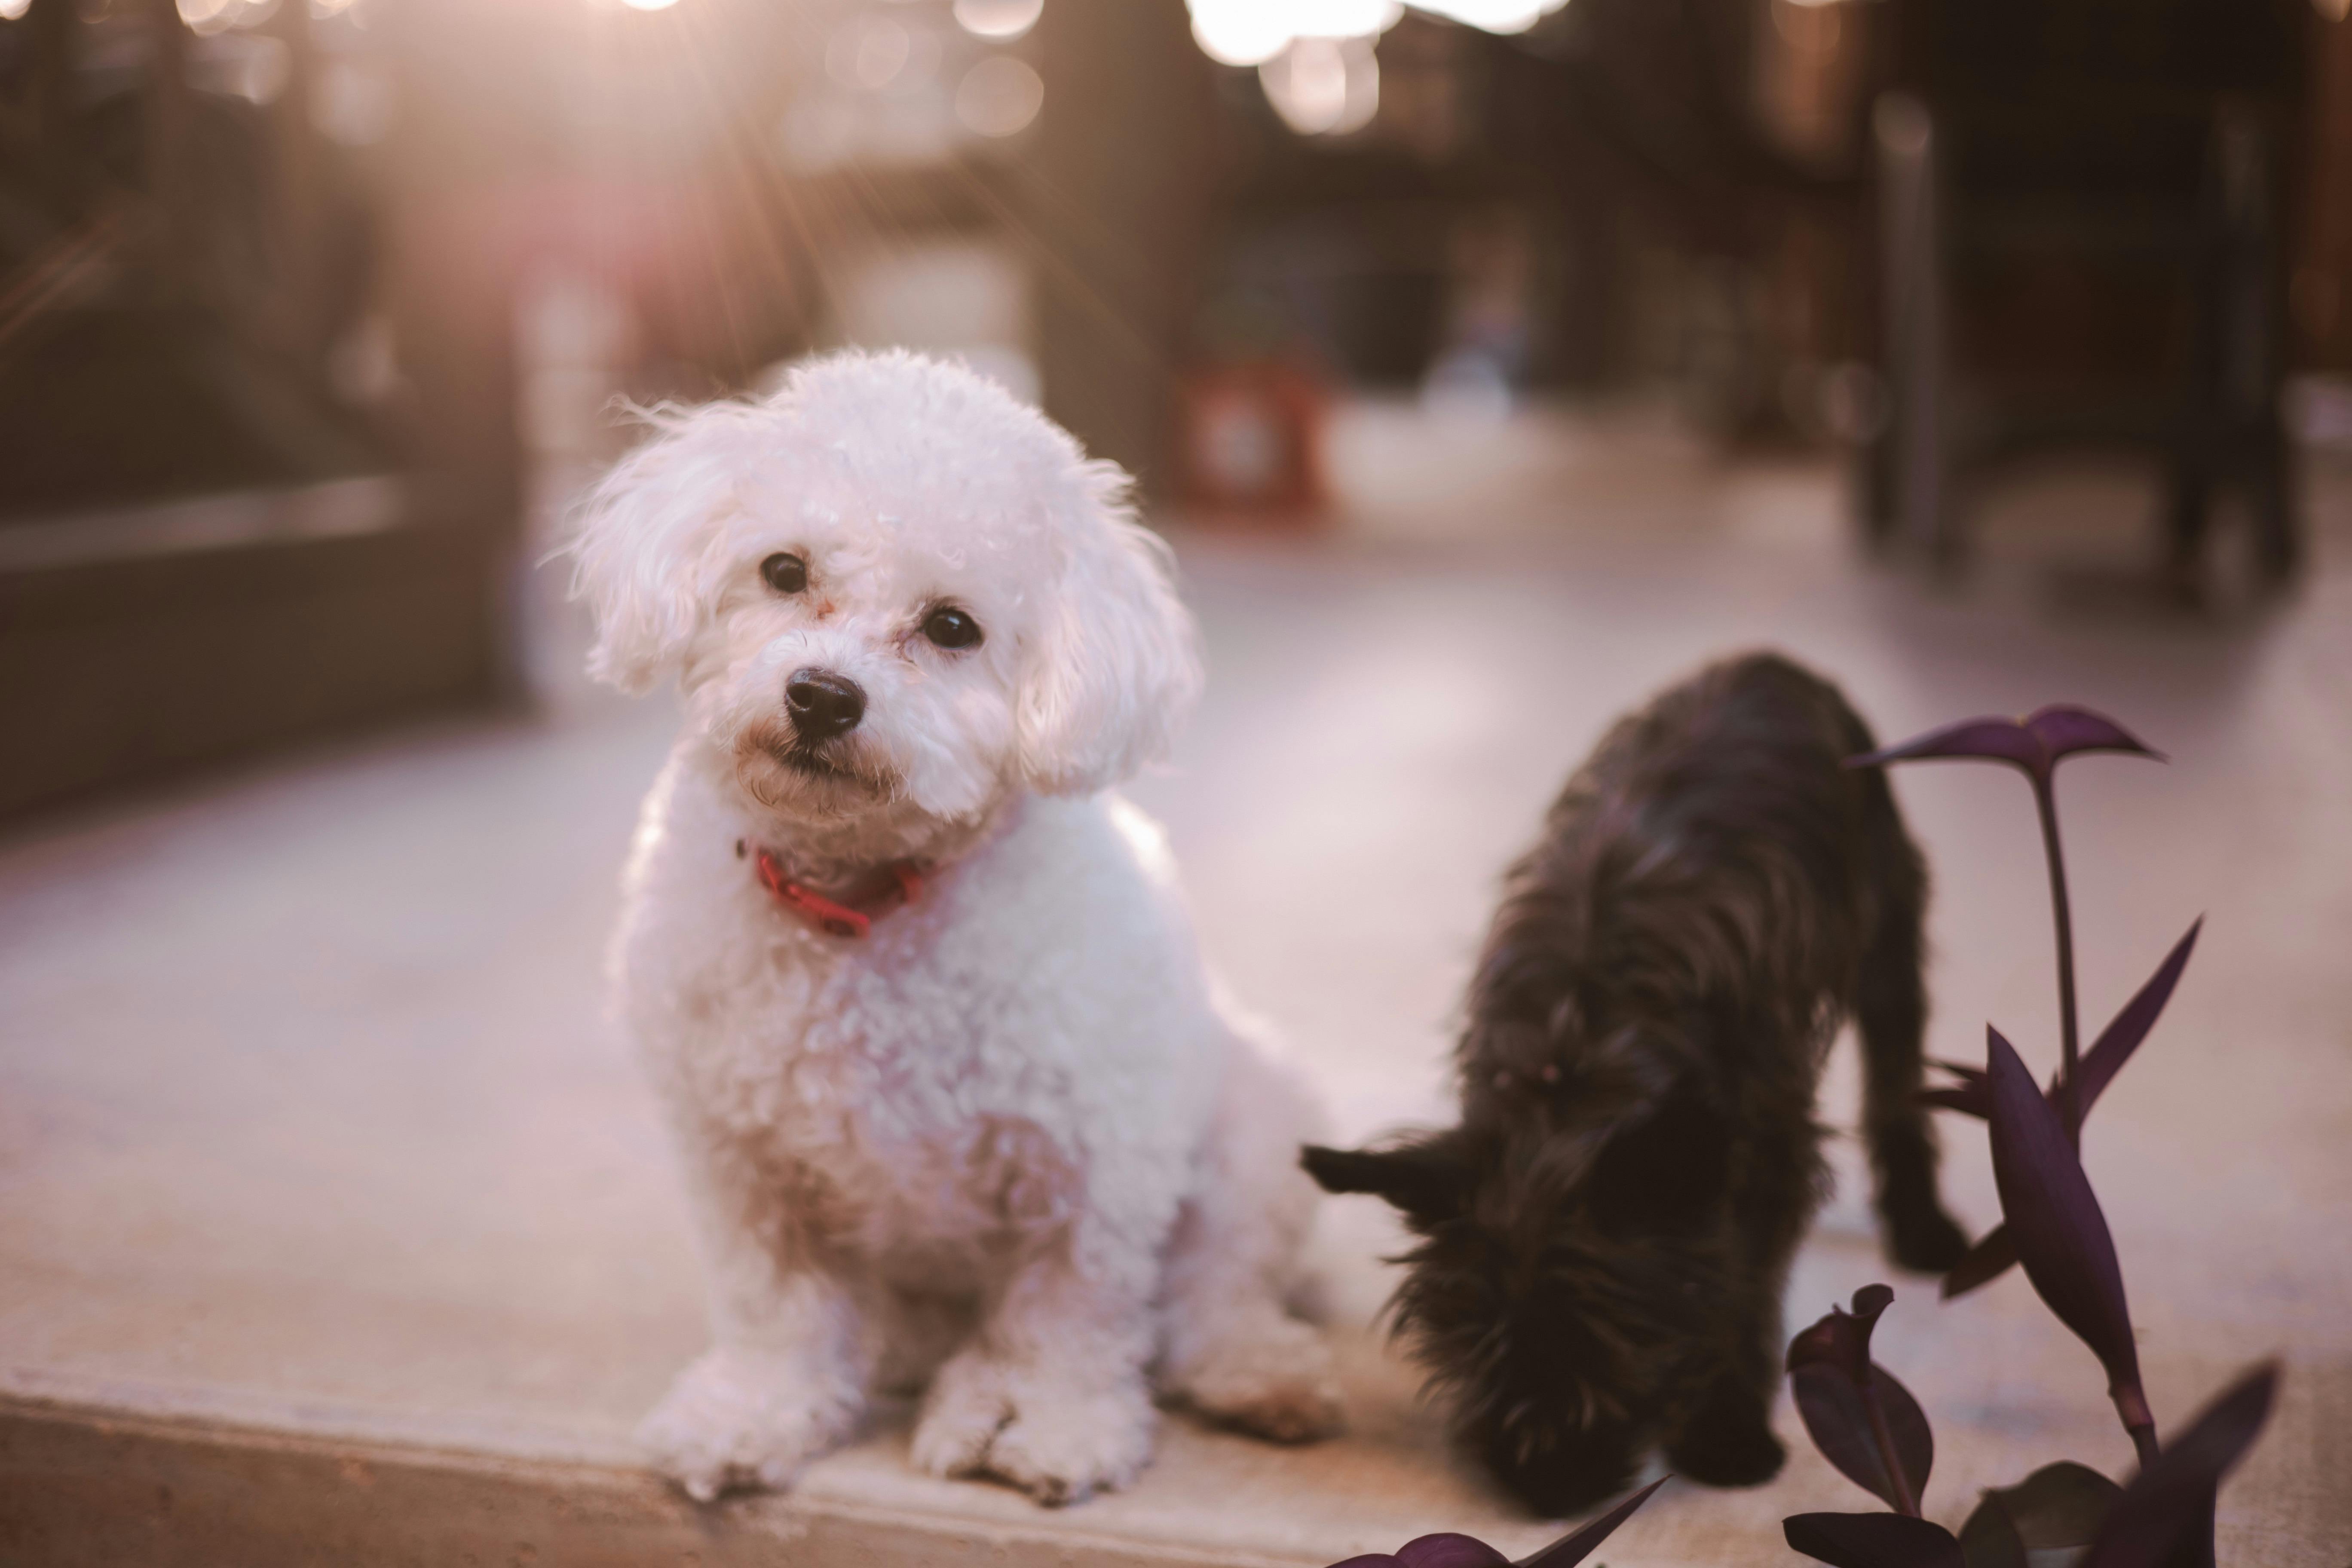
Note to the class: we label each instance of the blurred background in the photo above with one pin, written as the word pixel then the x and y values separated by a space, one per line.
pixel 1489 362
pixel 330 302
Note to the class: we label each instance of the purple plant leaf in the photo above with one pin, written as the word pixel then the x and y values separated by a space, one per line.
pixel 1988 1260
pixel 1449 1551
pixel 2115 1046
pixel 1839 1424
pixel 2107 1054
pixel 2058 1507
pixel 2037 744
pixel 1571 1549
pixel 1989 1541
pixel 2054 1221
pixel 1842 1339
pixel 1972 1096
pixel 2064 730
pixel 1872 1540
pixel 1829 1375
pixel 1368 1560
pixel 2170 1504
pixel 1982 740
pixel 2123 1033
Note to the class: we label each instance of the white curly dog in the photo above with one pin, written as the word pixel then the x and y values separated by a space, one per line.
pixel 955 1096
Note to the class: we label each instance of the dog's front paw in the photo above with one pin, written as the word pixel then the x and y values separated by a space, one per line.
pixel 1728 1442
pixel 740 1418
pixel 1057 1437
pixel 1727 1456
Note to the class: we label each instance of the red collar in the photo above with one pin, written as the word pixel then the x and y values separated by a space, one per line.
pixel 899 883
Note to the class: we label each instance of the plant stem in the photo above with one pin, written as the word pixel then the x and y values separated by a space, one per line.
pixel 2045 802
pixel 1906 1499
pixel 2131 1401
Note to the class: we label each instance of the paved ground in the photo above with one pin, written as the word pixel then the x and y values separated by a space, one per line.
pixel 308 1118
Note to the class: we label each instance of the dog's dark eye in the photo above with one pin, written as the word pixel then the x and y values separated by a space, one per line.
pixel 951 627
pixel 785 573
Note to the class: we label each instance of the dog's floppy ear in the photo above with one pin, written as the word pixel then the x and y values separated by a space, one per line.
pixel 1115 667
pixel 1426 1178
pixel 644 539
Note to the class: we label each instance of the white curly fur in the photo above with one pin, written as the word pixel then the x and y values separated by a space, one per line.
pixel 1012 1142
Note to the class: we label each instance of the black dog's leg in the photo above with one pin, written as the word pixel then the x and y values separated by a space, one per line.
pixel 1891 1015
pixel 1723 1436
pixel 1729 1441
pixel 1719 1429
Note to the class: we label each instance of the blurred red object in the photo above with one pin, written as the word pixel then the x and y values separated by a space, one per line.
pixel 1252 439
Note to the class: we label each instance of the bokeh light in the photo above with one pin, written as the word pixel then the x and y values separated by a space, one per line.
pixel 1239 34
pixel 1252 32
pixel 868 52
pixel 1315 58
pixel 998 97
pixel 1324 87
pixel 998 18
pixel 1493 16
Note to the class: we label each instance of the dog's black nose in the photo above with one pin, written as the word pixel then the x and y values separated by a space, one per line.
pixel 823 704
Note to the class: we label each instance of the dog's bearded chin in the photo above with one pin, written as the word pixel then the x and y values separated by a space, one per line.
pixel 811 764
pixel 796 780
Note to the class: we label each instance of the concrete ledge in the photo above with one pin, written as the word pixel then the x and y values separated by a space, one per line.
pixel 227 1475
pixel 80 1484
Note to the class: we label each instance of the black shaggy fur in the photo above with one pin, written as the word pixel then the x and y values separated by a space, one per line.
pixel 1603 1239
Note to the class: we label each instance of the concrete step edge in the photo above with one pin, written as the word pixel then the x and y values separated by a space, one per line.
pixel 158 1475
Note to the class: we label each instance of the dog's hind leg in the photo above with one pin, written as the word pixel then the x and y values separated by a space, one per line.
pixel 1232 1349
pixel 1891 1016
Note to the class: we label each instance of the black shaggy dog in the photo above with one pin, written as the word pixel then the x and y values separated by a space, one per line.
pixel 1603 1239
